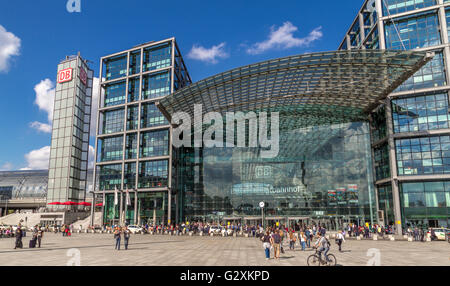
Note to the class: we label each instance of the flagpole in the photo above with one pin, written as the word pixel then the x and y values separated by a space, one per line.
pixel 121 208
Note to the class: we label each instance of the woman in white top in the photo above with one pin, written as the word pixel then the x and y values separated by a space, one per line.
pixel 339 239
pixel 303 241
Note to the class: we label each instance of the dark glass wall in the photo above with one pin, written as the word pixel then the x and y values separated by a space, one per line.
pixel 320 172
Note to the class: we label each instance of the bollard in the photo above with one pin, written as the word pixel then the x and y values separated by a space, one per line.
pixel 191 233
pixel 358 237
pixel 375 237
pixel 246 235
pixel 410 239
pixel 78 231
pixel 201 233
pixel 392 238
pixel 212 234
pixel 85 231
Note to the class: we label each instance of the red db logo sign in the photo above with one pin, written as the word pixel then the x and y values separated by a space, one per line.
pixel 65 75
pixel 83 76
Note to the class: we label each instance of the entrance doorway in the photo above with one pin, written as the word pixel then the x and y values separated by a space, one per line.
pixel 152 208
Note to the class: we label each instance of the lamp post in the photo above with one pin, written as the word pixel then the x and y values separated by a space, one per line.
pixel 261 205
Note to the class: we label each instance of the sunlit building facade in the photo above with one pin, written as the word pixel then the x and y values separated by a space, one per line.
pixel 322 171
pixel 410 131
pixel 68 166
pixel 133 147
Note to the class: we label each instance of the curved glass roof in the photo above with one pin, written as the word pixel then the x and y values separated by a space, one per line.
pixel 310 89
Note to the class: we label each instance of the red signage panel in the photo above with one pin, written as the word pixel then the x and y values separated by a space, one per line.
pixel 65 75
pixel 83 76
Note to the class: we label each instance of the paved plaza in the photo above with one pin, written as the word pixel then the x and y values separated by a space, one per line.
pixel 147 250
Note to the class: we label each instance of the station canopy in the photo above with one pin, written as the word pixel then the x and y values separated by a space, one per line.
pixel 307 90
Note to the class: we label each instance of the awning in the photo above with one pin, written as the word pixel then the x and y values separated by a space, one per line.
pixel 310 89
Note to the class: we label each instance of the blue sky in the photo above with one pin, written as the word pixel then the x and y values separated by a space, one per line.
pixel 214 36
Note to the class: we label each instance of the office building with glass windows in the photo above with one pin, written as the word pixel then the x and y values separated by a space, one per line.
pixel 319 104
pixel 322 171
pixel 410 130
pixel 69 151
pixel 133 146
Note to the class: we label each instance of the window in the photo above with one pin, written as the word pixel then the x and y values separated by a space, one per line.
pixel 115 94
pixel 153 174
pixel 155 143
pixel 115 67
pixel 113 121
pixel 421 156
pixel 431 75
pixel 132 117
pixel 129 179
pixel 151 116
pixel 157 57
pixel 381 157
pixel 131 146
pixel 110 177
pixel 421 113
pixel 111 149
pixel 416 32
pixel 156 85
pixel 133 89
pixel 135 62
pixel 400 6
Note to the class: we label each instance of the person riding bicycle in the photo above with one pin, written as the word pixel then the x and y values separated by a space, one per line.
pixel 322 245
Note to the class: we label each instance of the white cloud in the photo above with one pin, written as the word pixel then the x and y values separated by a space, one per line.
pixel 38 159
pixel 6 167
pixel 91 159
pixel 94 108
pixel 41 127
pixel 210 55
pixel 9 47
pixel 45 97
pixel 283 38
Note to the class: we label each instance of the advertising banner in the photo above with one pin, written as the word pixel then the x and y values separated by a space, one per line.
pixel 341 196
pixel 352 194
pixel 332 198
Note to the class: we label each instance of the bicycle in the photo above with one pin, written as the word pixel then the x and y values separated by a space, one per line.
pixel 315 260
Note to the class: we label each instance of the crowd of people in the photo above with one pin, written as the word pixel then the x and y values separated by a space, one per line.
pixel 313 237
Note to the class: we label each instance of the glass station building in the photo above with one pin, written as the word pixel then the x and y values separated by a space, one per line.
pixel 323 170
pixel 410 131
pixel 133 146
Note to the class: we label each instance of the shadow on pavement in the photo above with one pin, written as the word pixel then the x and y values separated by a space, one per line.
pixel 80 247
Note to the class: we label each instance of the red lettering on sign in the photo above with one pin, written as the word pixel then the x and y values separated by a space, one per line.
pixel 65 75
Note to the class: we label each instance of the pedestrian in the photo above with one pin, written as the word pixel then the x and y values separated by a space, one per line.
pixel 276 241
pixel 40 234
pixel 308 234
pixel 266 240
pixel 303 240
pixel 292 240
pixel 339 240
pixel 117 237
pixel 126 237
pixel 18 234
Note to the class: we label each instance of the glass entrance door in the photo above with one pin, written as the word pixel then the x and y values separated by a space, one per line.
pixel 152 208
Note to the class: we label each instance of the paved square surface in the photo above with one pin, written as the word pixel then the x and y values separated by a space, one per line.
pixel 147 250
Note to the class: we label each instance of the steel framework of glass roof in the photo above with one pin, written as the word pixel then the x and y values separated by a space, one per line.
pixel 310 89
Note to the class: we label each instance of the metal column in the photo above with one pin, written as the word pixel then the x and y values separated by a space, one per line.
pixel 393 167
